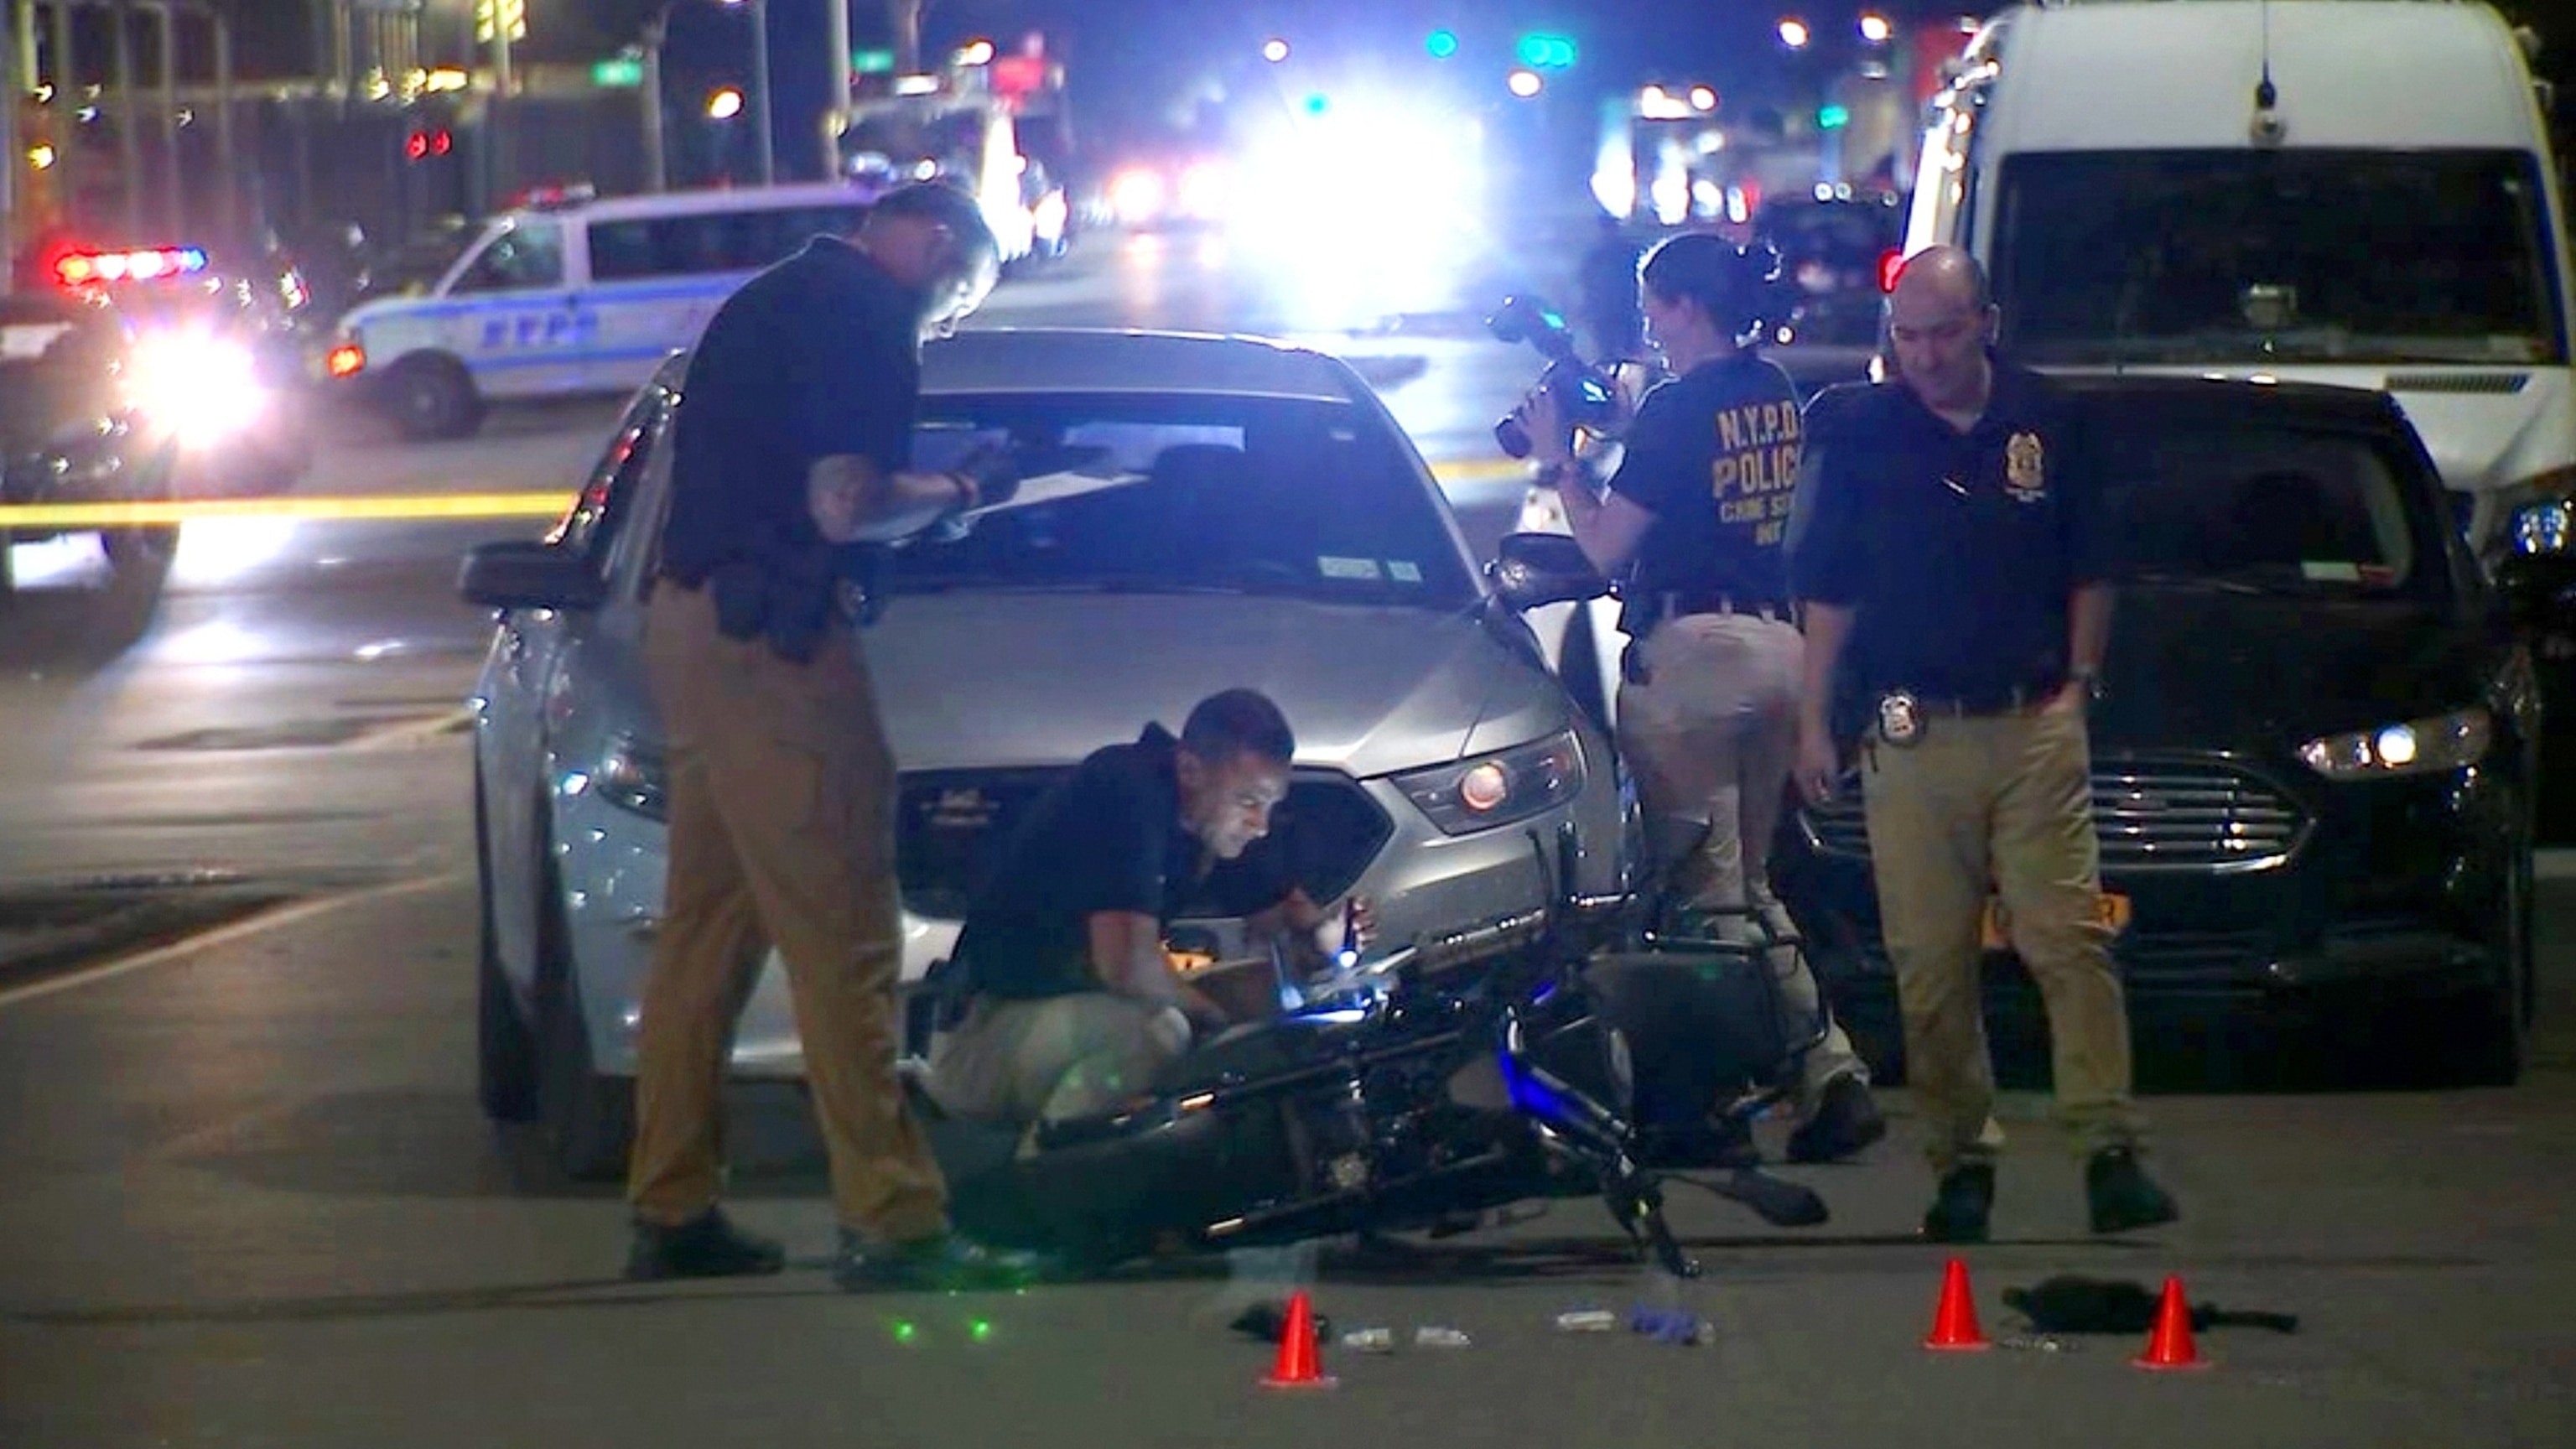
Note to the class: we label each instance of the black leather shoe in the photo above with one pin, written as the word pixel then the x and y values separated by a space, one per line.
pixel 1959 1212
pixel 947 1262
pixel 1846 1121
pixel 2122 1196
pixel 707 1246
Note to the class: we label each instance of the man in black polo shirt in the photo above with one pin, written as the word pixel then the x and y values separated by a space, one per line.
pixel 1944 529
pixel 1072 1003
pixel 794 442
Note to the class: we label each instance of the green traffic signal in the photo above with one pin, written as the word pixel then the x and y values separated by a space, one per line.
pixel 1546 52
pixel 1831 117
pixel 1442 44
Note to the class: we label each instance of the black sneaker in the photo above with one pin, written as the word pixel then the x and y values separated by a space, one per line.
pixel 707 1246
pixel 2122 1196
pixel 1846 1121
pixel 943 1263
pixel 1958 1213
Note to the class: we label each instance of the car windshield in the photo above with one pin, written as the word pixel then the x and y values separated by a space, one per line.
pixel 2263 507
pixel 2369 257
pixel 1303 499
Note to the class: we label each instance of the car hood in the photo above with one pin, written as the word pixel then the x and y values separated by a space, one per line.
pixel 1039 679
pixel 2199 668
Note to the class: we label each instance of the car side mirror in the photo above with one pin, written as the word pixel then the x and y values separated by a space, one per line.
pixel 2539 589
pixel 1534 569
pixel 522 574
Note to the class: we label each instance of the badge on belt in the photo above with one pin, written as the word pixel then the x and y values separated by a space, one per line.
pixel 1900 718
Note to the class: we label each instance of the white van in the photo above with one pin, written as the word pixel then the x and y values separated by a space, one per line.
pixel 573 296
pixel 2346 191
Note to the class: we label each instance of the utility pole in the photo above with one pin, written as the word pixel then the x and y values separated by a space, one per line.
pixel 836 110
pixel 656 166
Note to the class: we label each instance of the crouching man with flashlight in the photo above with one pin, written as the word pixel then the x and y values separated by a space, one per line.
pixel 1061 1000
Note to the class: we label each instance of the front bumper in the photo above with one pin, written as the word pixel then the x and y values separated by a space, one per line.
pixel 1420 884
pixel 2392 888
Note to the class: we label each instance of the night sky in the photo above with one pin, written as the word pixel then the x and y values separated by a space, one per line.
pixel 1128 60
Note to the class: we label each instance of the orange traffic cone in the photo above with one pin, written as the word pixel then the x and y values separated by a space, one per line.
pixel 1954 1322
pixel 1296 1367
pixel 2169 1346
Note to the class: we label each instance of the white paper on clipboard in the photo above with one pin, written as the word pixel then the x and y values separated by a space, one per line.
pixel 1056 487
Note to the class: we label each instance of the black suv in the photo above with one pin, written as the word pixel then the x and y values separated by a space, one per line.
pixel 2313 763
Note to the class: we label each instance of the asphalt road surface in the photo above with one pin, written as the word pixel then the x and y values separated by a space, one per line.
pixel 247 1199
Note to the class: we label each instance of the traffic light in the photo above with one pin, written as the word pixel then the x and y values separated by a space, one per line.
pixel 1546 52
pixel 421 145
pixel 1830 118
pixel 1442 44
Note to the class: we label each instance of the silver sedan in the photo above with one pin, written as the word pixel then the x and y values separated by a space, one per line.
pixel 1243 513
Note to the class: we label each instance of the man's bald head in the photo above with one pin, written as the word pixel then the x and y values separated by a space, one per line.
pixel 1951 274
pixel 1940 320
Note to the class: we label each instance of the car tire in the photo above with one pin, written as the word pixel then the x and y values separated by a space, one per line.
pixel 2490 1041
pixel 505 1047
pixel 432 398
pixel 589 1119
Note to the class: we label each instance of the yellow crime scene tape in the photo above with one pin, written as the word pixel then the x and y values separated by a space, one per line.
pixel 436 505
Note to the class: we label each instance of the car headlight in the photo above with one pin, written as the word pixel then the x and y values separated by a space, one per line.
pixel 2416 747
pixel 633 777
pixel 1499 788
pixel 199 387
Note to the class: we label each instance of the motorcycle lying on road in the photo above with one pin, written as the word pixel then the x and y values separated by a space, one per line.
pixel 1572 1051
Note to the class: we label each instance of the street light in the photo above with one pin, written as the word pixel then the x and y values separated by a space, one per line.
pixel 1274 51
pixel 1525 83
pixel 1793 34
pixel 724 105
pixel 1875 29
pixel 1703 98
pixel 767 147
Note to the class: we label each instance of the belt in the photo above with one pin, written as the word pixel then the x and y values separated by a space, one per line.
pixel 1675 605
pixel 2012 700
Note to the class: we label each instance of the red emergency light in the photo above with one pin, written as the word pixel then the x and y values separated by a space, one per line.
pixel 1891 265
pixel 79 269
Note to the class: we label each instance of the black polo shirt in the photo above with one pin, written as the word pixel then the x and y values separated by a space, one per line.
pixel 1107 839
pixel 1958 550
pixel 1713 454
pixel 818 356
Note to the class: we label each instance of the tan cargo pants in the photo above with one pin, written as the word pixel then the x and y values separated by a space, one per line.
pixel 2000 802
pixel 782 829
pixel 1709 738
pixel 1053 1058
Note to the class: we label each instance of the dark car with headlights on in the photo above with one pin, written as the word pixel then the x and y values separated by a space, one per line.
pixel 2314 758
pixel 71 432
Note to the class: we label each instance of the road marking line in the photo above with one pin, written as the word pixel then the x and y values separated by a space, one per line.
pixel 266 920
pixel 444 505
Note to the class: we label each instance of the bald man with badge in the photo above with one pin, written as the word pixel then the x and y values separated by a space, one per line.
pixel 1944 551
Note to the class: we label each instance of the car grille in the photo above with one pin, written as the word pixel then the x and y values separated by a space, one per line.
pixel 954 825
pixel 2189 815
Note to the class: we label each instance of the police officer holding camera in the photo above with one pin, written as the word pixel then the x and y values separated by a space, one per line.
pixel 1694 518
pixel 791 453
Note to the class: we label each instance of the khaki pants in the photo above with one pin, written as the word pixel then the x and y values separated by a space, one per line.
pixel 781 830
pixel 1053 1057
pixel 2002 801
pixel 1709 738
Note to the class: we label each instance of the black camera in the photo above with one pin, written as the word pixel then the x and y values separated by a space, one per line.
pixel 1585 397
